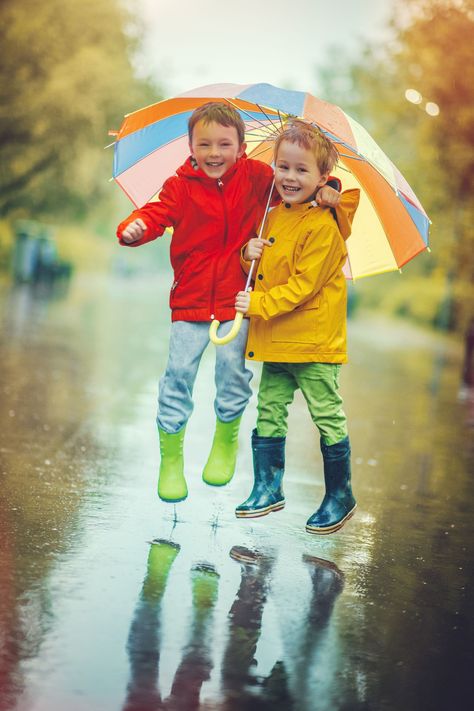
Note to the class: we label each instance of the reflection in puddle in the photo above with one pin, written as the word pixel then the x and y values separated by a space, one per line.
pixel 240 686
pixel 270 622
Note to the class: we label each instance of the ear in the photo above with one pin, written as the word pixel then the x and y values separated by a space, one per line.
pixel 190 147
pixel 323 180
pixel 242 149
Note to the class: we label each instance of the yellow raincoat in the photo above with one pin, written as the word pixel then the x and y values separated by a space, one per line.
pixel 298 306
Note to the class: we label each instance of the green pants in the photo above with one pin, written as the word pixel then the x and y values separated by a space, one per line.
pixel 319 383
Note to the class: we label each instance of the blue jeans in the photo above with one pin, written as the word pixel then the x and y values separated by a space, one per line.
pixel 188 341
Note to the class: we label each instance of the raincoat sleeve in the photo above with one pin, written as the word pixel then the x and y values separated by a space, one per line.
pixel 158 215
pixel 322 253
pixel 345 211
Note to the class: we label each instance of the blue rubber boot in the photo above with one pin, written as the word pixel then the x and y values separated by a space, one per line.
pixel 338 504
pixel 220 466
pixel 268 467
pixel 171 483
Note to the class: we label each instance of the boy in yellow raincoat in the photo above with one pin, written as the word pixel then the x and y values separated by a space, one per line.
pixel 298 325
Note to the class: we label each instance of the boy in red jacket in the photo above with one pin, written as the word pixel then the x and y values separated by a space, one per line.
pixel 213 203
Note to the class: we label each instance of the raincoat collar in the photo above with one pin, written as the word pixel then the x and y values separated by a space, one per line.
pixel 300 206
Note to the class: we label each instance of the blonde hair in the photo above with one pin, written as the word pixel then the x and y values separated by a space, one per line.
pixel 309 136
pixel 218 112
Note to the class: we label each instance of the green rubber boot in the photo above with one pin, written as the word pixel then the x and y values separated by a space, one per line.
pixel 160 559
pixel 205 581
pixel 220 466
pixel 171 483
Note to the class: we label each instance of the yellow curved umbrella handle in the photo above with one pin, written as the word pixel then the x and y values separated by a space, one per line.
pixel 229 336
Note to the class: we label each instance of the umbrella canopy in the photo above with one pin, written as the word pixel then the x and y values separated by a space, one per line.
pixel 390 226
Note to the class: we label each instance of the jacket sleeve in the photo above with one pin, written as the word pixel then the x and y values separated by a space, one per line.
pixel 322 253
pixel 157 216
pixel 345 211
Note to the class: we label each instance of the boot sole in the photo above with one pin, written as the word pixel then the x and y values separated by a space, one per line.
pixel 213 483
pixel 256 513
pixel 330 529
pixel 172 501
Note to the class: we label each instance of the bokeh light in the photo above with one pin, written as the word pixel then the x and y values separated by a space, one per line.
pixel 431 108
pixel 413 96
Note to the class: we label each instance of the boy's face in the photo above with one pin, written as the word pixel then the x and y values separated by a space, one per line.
pixel 215 148
pixel 297 176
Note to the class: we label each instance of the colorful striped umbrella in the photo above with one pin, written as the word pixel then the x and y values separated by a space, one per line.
pixel 390 226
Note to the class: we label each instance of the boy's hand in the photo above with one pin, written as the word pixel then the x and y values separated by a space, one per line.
pixel 242 302
pixel 327 196
pixel 134 231
pixel 254 248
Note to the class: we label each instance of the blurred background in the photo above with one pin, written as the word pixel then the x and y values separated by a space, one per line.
pixel 379 616
pixel 70 72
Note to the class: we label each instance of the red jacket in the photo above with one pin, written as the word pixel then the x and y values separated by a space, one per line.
pixel 211 220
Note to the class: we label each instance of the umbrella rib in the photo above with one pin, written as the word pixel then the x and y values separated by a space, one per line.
pixel 263 127
pixel 277 128
pixel 267 130
pixel 259 132
pixel 359 155
pixel 259 140
pixel 344 155
pixel 281 122
pixel 258 153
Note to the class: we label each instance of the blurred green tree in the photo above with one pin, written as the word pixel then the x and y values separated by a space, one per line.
pixel 430 142
pixel 66 79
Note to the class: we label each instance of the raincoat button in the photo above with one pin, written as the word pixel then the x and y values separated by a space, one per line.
pixel 272 239
pixel 260 276
pixel 251 354
pixel 287 205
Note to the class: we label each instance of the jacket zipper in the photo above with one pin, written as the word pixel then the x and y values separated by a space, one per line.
pixel 220 186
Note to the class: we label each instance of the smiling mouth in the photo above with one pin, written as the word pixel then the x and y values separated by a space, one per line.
pixel 290 189
pixel 215 165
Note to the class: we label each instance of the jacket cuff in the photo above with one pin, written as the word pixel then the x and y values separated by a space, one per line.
pixel 255 299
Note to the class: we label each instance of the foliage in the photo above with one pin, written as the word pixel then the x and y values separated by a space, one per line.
pixel 66 80
pixel 431 52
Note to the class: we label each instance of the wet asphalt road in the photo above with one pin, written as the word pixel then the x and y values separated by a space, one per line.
pixel 220 613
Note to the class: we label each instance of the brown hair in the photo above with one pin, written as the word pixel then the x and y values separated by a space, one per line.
pixel 217 112
pixel 309 136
